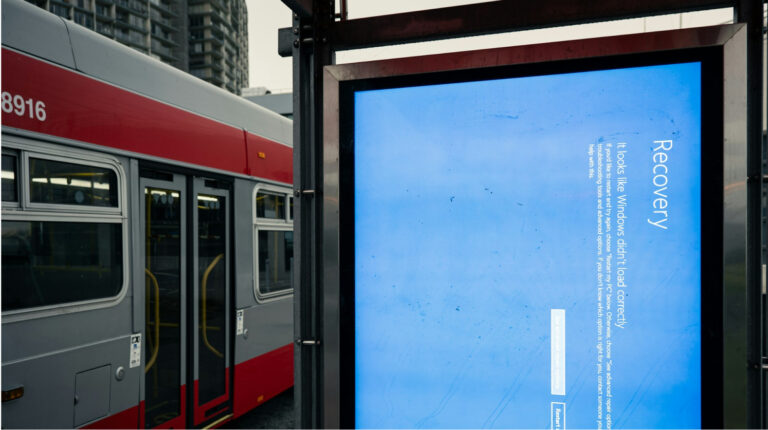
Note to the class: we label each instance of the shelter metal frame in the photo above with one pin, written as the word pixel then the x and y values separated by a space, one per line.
pixel 317 32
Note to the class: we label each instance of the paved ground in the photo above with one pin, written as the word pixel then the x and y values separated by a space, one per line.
pixel 277 413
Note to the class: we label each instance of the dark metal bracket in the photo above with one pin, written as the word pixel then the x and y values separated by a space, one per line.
pixel 307 342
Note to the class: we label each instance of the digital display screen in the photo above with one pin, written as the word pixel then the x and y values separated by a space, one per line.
pixel 528 251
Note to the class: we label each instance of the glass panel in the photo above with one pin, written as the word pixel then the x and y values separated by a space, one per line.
pixel 275 260
pixel 212 281
pixel 270 205
pixel 71 184
pixel 163 312
pixel 542 272
pixel 290 213
pixel 47 263
pixel 10 193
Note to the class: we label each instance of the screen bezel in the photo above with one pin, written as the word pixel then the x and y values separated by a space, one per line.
pixel 339 181
pixel 711 216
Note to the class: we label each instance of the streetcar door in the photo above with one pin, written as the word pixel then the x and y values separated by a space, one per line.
pixel 210 295
pixel 163 206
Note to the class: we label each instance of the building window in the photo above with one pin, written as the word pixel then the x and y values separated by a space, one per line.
pixel 137 21
pixel 196 21
pixel 105 28
pixel 102 10
pixel 60 10
pixel 122 33
pixel 84 19
pixel 137 38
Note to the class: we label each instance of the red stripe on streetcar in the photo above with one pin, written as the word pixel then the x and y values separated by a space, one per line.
pixel 261 378
pixel 81 108
pixel 277 163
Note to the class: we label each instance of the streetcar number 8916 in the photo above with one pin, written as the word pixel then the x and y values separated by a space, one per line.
pixel 22 107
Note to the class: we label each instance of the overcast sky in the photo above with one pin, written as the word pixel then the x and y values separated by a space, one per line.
pixel 267 69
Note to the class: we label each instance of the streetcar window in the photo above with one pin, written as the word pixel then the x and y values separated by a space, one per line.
pixel 10 193
pixel 273 242
pixel 47 263
pixel 275 261
pixel 58 182
pixel 270 205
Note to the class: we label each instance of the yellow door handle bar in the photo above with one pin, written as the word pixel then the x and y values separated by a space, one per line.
pixel 204 288
pixel 156 347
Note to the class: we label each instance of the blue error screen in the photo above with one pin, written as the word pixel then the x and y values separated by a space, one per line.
pixel 528 252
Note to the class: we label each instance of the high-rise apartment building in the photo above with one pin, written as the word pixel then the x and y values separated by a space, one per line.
pixel 218 42
pixel 207 38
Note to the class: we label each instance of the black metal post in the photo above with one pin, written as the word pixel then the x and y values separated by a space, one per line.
pixel 311 52
pixel 304 360
pixel 750 12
